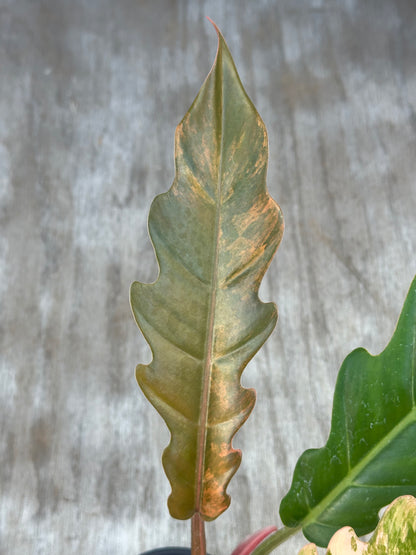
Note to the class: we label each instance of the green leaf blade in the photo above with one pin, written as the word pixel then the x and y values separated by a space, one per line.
pixel 214 233
pixel 370 458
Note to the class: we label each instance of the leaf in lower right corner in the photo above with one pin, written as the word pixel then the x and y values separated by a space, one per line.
pixel 370 456
pixel 394 535
pixel 396 531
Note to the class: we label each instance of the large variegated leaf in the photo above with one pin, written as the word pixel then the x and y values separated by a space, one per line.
pixel 214 232
pixel 370 456
pixel 395 534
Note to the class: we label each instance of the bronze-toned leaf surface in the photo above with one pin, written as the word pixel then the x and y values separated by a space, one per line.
pixel 214 232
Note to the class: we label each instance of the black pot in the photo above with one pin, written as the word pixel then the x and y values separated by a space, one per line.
pixel 169 551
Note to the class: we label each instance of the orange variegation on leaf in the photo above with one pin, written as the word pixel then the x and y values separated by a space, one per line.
pixel 214 233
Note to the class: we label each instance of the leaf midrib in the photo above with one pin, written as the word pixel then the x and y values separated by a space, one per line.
pixel 349 479
pixel 207 369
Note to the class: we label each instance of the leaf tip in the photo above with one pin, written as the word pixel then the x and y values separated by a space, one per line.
pixel 221 39
pixel 214 24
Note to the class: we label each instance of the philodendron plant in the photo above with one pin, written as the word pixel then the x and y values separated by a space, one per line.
pixel 215 232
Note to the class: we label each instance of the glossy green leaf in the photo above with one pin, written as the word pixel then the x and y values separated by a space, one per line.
pixel 214 233
pixel 395 534
pixel 370 456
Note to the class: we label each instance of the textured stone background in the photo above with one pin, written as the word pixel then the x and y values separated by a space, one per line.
pixel 90 94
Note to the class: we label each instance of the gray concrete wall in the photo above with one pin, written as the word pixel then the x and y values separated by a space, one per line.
pixel 90 94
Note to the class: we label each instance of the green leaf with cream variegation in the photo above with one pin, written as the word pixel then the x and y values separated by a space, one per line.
pixel 214 233
pixel 396 531
pixel 370 456
pixel 309 549
pixel 395 534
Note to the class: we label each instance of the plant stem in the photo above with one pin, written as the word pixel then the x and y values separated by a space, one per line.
pixel 198 544
pixel 275 539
